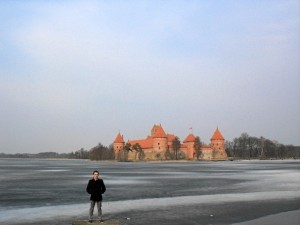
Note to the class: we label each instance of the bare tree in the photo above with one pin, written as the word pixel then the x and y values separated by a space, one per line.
pixel 123 155
pixel 138 151
pixel 101 152
pixel 197 147
pixel 176 146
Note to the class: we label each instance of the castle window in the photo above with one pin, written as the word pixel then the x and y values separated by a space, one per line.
pixel 158 143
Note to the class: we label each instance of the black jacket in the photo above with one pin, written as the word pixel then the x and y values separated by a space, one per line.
pixel 96 188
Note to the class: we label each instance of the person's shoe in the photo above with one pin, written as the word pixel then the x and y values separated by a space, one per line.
pixel 101 221
pixel 90 221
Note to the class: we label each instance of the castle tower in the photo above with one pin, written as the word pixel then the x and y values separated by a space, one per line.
pixel 118 145
pixel 160 139
pixel 217 143
pixel 189 142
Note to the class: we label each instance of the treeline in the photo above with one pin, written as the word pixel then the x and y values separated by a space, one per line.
pixel 99 152
pixel 248 147
pixel 243 147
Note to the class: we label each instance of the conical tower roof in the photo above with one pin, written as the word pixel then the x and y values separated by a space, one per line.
pixel 158 132
pixel 217 135
pixel 119 138
pixel 190 138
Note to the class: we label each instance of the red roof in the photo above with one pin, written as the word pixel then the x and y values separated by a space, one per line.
pixel 158 132
pixel 171 137
pixel 119 139
pixel 190 138
pixel 217 135
pixel 145 143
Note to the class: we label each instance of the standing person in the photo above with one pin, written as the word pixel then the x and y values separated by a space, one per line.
pixel 95 188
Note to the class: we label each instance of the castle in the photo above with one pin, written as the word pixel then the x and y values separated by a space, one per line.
pixel 162 146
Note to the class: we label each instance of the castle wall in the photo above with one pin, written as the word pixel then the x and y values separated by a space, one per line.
pixel 205 154
pixel 149 154
pixel 132 155
pixel 210 154
pixel 155 155
pixel 220 155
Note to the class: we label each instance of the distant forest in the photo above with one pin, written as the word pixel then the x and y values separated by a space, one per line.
pixel 248 147
pixel 243 147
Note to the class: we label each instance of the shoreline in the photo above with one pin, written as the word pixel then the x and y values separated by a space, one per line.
pixel 113 211
pixel 289 217
pixel 159 161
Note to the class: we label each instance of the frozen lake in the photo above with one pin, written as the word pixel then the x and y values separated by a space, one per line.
pixel 53 191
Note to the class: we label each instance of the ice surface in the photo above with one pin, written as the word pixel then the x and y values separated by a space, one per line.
pixel 56 189
pixel 65 211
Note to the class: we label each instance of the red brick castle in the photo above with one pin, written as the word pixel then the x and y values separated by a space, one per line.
pixel 161 146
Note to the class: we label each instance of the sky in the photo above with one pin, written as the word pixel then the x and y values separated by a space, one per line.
pixel 76 73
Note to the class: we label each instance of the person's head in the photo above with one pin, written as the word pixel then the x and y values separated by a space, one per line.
pixel 95 174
